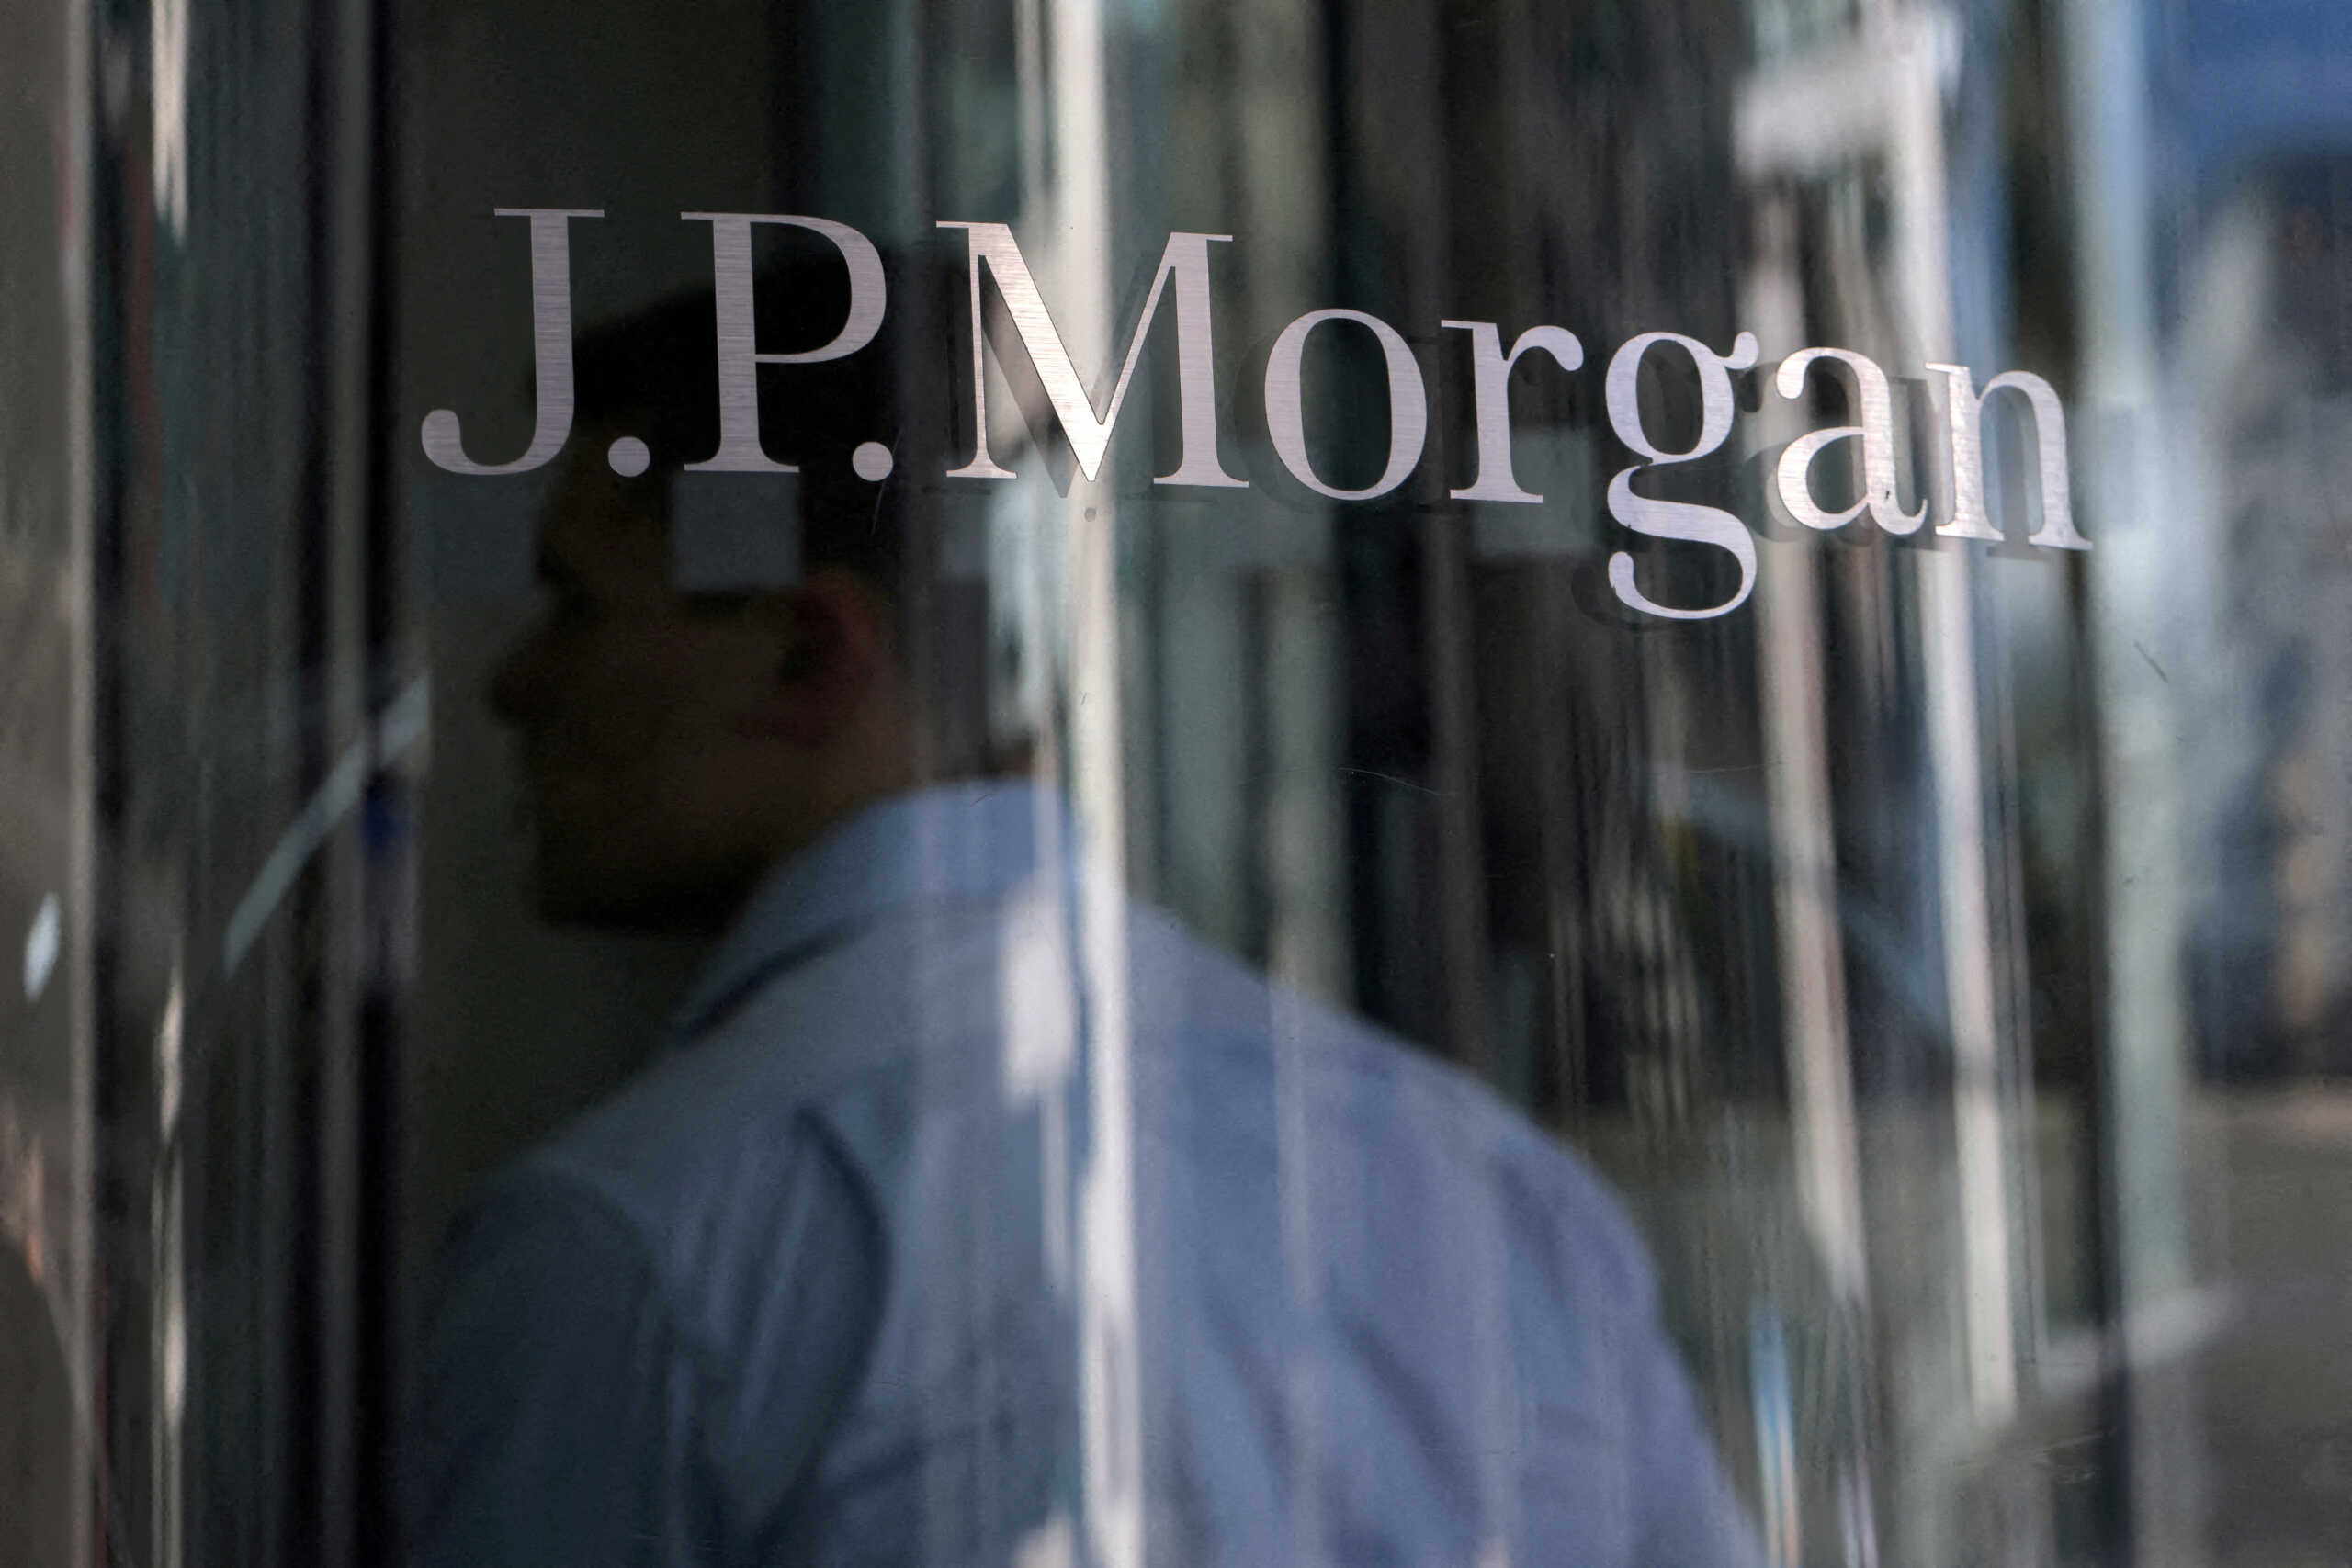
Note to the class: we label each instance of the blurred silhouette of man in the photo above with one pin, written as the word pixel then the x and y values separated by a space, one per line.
pixel 833 1280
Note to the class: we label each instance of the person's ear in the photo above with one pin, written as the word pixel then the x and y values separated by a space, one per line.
pixel 830 641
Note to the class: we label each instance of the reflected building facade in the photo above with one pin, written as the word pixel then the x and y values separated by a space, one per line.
pixel 1943 953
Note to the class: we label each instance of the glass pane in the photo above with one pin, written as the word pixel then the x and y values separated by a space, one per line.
pixel 45 789
pixel 1176 781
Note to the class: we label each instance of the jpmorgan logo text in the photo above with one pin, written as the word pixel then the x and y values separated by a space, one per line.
pixel 1181 283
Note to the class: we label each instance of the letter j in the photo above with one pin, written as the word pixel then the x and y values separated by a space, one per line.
pixel 551 346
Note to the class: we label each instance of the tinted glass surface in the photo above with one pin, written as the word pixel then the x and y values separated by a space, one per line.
pixel 1671 682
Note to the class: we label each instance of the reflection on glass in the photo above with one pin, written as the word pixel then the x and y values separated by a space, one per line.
pixel 1757 579
pixel 968 1212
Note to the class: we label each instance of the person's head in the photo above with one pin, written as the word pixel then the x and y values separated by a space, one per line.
pixel 676 742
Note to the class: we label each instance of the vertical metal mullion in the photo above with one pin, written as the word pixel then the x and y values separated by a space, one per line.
pixel 324 1509
pixel 342 1392
pixel 111 1184
pixel 391 845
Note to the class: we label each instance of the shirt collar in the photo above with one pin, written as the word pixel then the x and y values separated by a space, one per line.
pixel 968 841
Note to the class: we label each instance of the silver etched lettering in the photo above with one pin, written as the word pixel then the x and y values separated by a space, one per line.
pixel 739 356
pixel 1408 414
pixel 1966 411
pixel 1875 403
pixel 551 346
pixel 1185 258
pixel 1490 386
pixel 1676 519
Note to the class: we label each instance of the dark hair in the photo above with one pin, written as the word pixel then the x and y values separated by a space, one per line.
pixel 654 375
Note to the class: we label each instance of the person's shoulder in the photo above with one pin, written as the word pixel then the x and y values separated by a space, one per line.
pixel 1557 1214
pixel 1220 1037
pixel 713 1190
pixel 728 1121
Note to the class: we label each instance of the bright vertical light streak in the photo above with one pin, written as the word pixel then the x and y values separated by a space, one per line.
pixel 74 199
pixel 167 68
pixel 167 1258
pixel 1922 55
pixel 1885 96
pixel 2140 592
pixel 1796 784
pixel 1077 209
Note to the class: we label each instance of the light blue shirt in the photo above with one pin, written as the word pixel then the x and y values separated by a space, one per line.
pixel 812 1288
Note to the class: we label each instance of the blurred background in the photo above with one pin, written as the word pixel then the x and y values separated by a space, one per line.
pixel 1949 954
